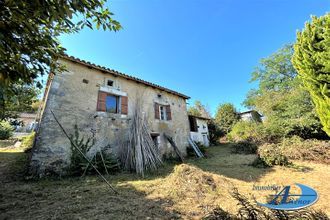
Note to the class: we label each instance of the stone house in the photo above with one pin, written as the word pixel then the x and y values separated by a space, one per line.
pixel 100 102
pixel 198 129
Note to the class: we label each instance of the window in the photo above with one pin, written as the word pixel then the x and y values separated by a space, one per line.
pixel 162 112
pixel 109 83
pixel 111 104
pixel 107 102
pixel 193 123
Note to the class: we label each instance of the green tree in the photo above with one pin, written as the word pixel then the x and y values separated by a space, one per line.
pixel 287 107
pixel 226 116
pixel 198 109
pixel 19 97
pixel 312 61
pixel 29 31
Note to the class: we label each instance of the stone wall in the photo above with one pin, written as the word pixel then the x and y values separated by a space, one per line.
pixel 75 102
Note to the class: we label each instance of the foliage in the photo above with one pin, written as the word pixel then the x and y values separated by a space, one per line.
pixel 6 130
pixel 30 29
pixel 17 97
pixel 244 147
pixel 270 155
pixel 77 159
pixel 214 132
pixel 27 141
pixel 287 107
pixel 104 161
pixel 250 210
pixel 296 148
pixel 226 116
pixel 311 59
pixel 198 109
pixel 251 131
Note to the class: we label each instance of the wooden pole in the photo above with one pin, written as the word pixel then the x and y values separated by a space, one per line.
pixel 86 158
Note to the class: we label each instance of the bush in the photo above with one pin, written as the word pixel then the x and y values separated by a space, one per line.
pixel 244 147
pixel 27 141
pixel 270 155
pixel 312 150
pixel 6 130
pixel 103 160
pixel 249 131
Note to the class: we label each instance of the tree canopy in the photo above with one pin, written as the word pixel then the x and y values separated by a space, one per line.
pixel 287 107
pixel 29 30
pixel 312 61
pixel 198 109
pixel 226 116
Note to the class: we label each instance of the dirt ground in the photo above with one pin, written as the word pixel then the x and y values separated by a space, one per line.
pixel 186 191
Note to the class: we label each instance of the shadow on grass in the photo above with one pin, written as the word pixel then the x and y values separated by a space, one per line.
pixel 73 198
pixel 221 161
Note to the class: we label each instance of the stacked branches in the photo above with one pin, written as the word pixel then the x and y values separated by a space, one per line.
pixel 139 152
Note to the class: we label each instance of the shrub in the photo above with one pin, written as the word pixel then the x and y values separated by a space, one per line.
pixel 270 155
pixel 27 141
pixel 244 147
pixel 103 160
pixel 248 131
pixel 313 150
pixel 255 132
pixel 6 130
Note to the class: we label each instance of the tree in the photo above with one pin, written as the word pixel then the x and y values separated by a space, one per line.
pixel 214 132
pixel 287 107
pixel 226 116
pixel 29 30
pixel 19 97
pixel 311 59
pixel 198 109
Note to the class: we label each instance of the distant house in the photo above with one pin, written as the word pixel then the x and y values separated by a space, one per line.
pixel 28 122
pixel 251 115
pixel 198 129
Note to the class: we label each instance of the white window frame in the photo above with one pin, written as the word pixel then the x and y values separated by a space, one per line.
pixel 164 113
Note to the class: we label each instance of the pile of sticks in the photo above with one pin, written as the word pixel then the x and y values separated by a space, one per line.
pixel 139 153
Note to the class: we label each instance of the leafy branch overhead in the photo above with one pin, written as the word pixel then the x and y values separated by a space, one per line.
pixel 29 33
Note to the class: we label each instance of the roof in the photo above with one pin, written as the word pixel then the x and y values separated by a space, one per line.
pixel 116 73
pixel 199 117
pixel 250 111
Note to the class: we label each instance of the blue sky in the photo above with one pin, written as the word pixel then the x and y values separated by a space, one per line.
pixel 205 49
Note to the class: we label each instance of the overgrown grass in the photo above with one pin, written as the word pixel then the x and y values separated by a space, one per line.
pixel 188 191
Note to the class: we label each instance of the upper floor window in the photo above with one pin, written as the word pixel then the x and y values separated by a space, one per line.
pixel 163 112
pixel 109 82
pixel 111 104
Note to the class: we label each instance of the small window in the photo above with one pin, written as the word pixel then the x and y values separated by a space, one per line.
pixel 109 83
pixel 111 104
pixel 162 113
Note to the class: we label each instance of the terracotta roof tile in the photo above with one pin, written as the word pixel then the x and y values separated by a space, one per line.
pixel 116 73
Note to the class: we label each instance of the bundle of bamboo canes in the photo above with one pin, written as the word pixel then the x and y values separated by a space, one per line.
pixel 139 153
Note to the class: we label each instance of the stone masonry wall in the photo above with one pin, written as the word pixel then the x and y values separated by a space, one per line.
pixel 75 102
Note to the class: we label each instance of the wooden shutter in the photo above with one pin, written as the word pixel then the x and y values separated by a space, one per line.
pixel 101 101
pixel 156 110
pixel 124 105
pixel 168 112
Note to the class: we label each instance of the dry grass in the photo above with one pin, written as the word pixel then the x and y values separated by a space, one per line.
pixel 186 191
